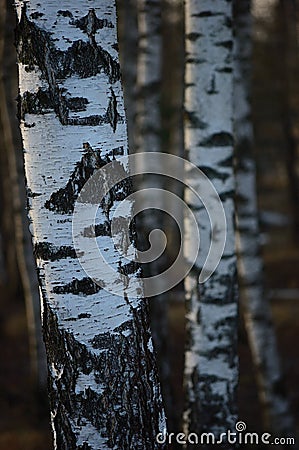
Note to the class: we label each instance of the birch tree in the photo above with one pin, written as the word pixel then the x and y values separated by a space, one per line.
pixel 255 304
pixel 211 364
pixel 104 390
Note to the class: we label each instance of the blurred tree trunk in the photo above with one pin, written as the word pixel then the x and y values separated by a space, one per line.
pixel 104 390
pixel 290 74
pixel 18 246
pixel 211 366
pixel 147 138
pixel 255 304
pixel 128 49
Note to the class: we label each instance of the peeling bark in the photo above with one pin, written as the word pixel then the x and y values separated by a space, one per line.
pixel 254 301
pixel 211 364
pixel 103 383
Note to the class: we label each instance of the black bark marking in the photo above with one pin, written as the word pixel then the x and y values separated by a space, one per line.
pixel 32 194
pixel 64 199
pixel 206 14
pixel 36 15
pixel 40 103
pixel 228 22
pixel 112 114
pixel 214 174
pixel 224 70
pixel 194 121
pixel 103 229
pixel 128 269
pixel 36 47
pixel 227 162
pixel 228 195
pixel 212 89
pixel 194 36
pixel 195 61
pixel 81 316
pixel 221 139
pixel 226 44
pixel 89 24
pixel 49 252
pixel 64 13
pixel 85 286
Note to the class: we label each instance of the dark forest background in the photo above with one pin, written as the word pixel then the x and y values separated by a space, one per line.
pixel 24 415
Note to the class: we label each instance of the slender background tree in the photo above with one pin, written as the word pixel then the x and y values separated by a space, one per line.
pixel 211 366
pixel 255 304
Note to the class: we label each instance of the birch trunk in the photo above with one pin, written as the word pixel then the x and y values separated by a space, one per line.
pixel 290 39
pixel 211 364
pixel 104 390
pixel 255 304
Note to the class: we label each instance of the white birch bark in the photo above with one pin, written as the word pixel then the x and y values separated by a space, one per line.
pixel 255 304
pixel 104 390
pixel 211 363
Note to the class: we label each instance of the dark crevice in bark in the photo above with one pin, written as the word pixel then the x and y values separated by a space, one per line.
pixel 49 252
pixel 85 286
